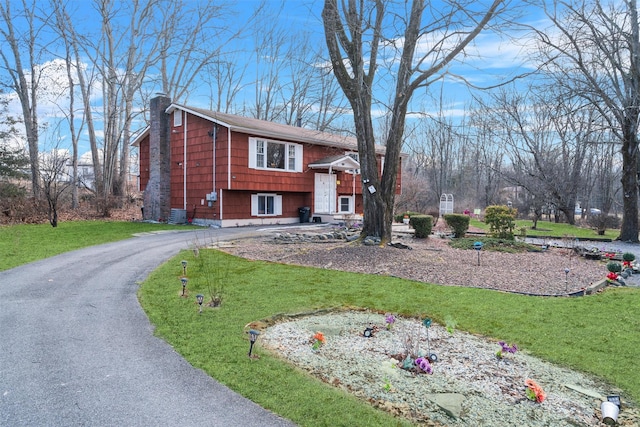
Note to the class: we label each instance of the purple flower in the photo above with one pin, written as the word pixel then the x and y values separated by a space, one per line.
pixel 424 365
pixel 506 348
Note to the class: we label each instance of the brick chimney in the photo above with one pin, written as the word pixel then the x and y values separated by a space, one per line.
pixel 157 194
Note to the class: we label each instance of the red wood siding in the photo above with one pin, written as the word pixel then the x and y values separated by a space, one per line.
pixel 240 181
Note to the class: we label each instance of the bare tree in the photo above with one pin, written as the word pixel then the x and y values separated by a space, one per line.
pixel 54 180
pixel 597 57
pixel 546 137
pixel 21 63
pixel 355 29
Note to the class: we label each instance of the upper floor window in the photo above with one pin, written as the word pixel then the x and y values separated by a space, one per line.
pixel 265 154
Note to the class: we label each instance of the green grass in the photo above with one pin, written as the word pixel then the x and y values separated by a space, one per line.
pixel 552 229
pixel 20 244
pixel 596 334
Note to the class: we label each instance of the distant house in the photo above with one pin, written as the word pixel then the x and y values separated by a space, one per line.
pixel 227 170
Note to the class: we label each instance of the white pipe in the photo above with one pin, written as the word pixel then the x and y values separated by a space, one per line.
pixel 229 158
pixel 330 189
pixel 215 136
pixel 220 205
pixel 184 162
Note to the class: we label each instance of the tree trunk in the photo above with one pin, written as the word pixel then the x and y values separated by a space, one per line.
pixel 629 227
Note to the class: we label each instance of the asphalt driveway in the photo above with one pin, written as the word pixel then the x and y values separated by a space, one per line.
pixel 76 349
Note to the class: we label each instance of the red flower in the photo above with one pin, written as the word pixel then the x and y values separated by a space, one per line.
pixel 612 276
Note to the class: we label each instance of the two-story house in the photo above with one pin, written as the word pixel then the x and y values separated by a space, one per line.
pixel 227 170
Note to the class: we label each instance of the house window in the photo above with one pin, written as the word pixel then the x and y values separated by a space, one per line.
pixel 345 204
pixel 177 118
pixel 284 156
pixel 266 204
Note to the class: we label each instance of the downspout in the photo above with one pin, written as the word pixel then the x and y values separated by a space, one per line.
pixel 229 158
pixel 353 191
pixel 228 171
pixel 330 188
pixel 184 163
pixel 214 136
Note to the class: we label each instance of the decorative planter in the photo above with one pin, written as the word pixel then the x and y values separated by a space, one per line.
pixel 405 221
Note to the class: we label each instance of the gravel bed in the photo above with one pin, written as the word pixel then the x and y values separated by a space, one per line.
pixel 432 260
pixel 492 389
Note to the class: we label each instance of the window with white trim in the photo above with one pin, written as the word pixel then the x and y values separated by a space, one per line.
pixel 265 204
pixel 177 117
pixel 345 204
pixel 275 155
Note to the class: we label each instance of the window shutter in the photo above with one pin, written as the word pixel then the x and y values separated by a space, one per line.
pixel 254 205
pixel 298 158
pixel 277 202
pixel 252 157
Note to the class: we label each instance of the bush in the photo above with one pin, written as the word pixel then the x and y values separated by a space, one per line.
pixel 628 256
pixel 399 217
pixel 458 223
pixel 614 267
pixel 422 224
pixel 501 221
pixel 603 222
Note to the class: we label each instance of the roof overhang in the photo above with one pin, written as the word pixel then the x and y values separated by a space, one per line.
pixel 336 163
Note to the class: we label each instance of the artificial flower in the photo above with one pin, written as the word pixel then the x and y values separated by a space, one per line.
pixel 390 319
pixel 506 348
pixel 424 365
pixel 318 340
pixel 534 391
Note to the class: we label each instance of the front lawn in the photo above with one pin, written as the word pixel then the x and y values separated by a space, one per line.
pixel 596 334
pixel 24 243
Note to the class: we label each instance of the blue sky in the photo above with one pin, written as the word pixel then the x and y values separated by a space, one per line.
pixel 490 59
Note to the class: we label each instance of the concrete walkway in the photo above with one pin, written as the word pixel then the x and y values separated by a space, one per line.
pixel 76 349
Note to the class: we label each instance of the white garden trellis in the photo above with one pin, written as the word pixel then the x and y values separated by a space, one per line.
pixel 446 204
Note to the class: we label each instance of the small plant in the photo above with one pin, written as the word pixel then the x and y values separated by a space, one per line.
pixel 458 223
pixel 614 267
pixel 501 220
pixel 422 224
pixel 534 391
pixel 387 384
pixel 506 348
pixel 390 320
pixel 627 259
pixel 450 324
pixel 523 232
pixel 317 341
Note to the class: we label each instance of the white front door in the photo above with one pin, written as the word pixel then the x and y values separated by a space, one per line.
pixel 324 193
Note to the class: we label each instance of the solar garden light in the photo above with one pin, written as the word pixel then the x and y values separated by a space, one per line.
pixel 184 266
pixel 253 336
pixel 184 281
pixel 431 356
pixel 566 279
pixel 478 247
pixel 200 299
